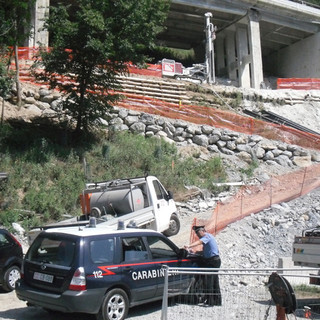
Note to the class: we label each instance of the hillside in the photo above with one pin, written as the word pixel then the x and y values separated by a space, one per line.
pixel 280 222
pixel 302 107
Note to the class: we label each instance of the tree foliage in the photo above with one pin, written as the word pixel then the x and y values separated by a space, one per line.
pixel 5 75
pixel 15 21
pixel 15 26
pixel 90 43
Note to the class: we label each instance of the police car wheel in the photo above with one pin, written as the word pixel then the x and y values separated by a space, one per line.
pixel 174 226
pixel 115 305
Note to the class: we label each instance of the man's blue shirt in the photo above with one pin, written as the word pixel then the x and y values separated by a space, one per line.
pixel 210 247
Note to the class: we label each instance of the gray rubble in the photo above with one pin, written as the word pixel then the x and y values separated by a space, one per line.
pixel 262 239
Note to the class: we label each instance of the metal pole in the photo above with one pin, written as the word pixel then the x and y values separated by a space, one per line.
pixel 210 36
pixel 164 311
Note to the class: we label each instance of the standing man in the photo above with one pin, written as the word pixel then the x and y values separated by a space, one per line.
pixel 211 259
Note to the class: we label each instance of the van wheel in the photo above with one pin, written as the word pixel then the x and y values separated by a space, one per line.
pixel 174 226
pixel 10 278
pixel 115 306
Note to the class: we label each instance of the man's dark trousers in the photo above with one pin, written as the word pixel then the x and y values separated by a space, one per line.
pixel 211 282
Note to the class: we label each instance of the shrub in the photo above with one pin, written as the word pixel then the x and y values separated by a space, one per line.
pixel 45 180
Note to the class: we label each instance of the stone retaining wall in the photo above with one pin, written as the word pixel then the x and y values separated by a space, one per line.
pixel 248 148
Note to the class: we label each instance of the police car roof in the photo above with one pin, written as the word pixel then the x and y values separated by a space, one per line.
pixel 87 231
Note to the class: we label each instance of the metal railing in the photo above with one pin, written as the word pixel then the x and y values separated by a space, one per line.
pixel 247 294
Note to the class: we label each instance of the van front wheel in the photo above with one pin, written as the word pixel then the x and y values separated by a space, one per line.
pixel 174 226
pixel 115 305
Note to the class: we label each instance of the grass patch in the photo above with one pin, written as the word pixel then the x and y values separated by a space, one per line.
pixel 48 172
pixel 250 169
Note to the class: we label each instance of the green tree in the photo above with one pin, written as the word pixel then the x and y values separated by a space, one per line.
pixel 15 26
pixel 6 81
pixel 90 43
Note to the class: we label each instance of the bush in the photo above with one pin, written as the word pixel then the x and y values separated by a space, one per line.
pixel 46 179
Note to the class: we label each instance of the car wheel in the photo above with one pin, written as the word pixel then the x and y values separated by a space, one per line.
pixel 115 306
pixel 10 277
pixel 174 226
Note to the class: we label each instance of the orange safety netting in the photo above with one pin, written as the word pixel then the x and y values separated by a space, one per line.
pixel 200 114
pixel 252 199
pixel 221 119
pixel 298 83
pixel 29 54
pixel 208 115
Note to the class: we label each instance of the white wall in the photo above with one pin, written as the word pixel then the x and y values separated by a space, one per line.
pixel 300 60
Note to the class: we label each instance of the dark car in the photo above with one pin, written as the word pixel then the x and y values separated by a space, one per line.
pixel 99 271
pixel 10 260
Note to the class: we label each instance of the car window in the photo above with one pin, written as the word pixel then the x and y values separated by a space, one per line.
pixel 159 190
pixel 4 241
pixel 160 249
pixel 59 252
pixel 102 251
pixel 133 249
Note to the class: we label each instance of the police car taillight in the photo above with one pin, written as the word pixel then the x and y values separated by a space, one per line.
pixel 78 282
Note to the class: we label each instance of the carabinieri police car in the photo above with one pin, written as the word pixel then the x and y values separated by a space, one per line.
pixel 99 271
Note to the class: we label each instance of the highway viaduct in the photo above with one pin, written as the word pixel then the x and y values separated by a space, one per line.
pixel 254 38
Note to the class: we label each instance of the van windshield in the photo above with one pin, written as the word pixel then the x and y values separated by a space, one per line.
pixel 52 251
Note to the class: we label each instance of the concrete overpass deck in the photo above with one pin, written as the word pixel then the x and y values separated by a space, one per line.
pixel 282 22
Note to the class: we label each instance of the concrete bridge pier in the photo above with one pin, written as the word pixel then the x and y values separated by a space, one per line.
pixel 238 52
pixel 38 36
pixel 255 49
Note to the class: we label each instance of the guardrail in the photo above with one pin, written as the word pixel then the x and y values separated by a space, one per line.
pixel 247 294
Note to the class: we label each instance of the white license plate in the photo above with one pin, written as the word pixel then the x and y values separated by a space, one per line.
pixel 43 277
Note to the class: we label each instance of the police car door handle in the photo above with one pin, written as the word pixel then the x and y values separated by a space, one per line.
pixel 127 269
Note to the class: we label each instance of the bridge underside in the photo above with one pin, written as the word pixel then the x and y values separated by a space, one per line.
pixel 257 34
pixel 254 39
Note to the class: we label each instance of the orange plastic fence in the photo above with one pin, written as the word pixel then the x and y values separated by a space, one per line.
pixel 201 114
pixel 29 54
pixel 253 199
pixel 298 83
pixel 221 119
pixel 154 70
